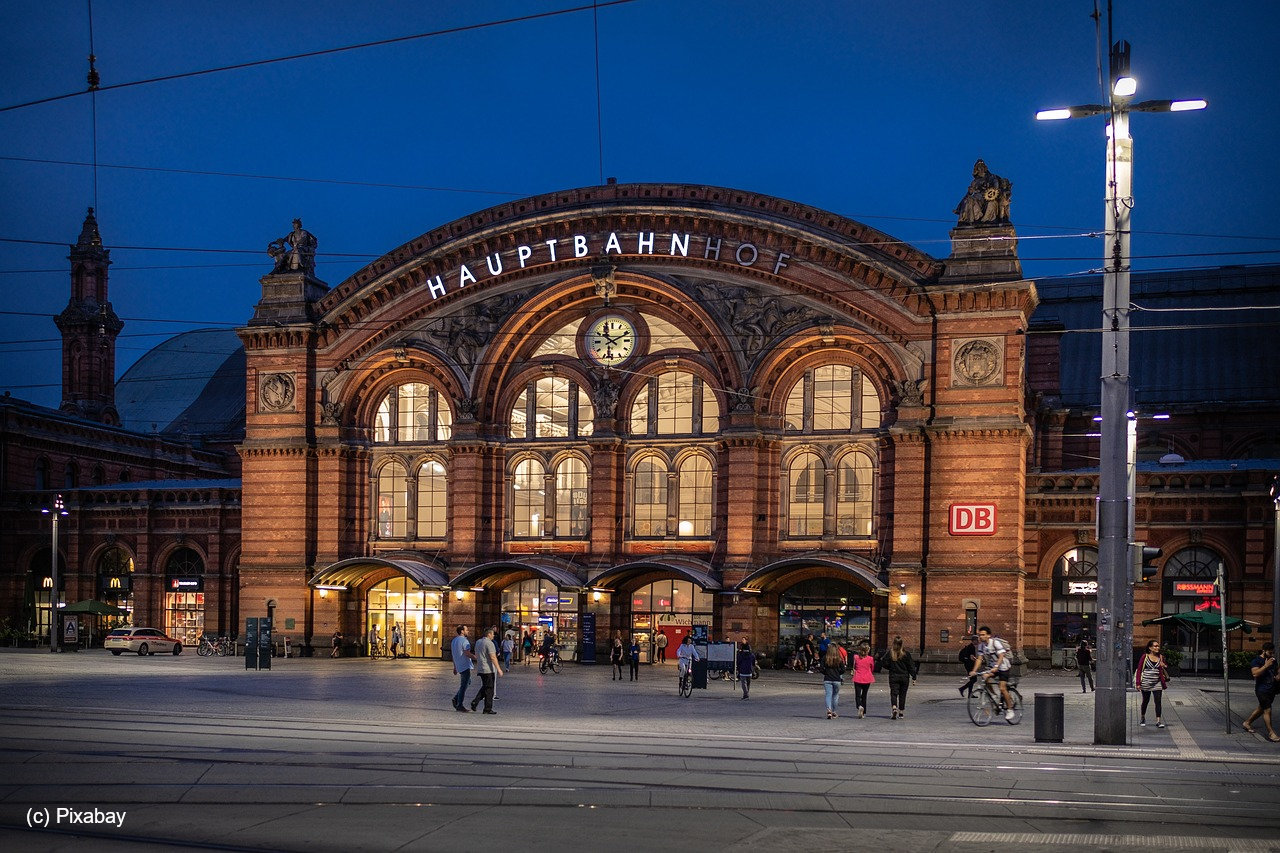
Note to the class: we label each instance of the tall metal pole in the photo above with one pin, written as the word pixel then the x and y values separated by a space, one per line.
pixel 1222 624
pixel 1115 597
pixel 1275 562
pixel 57 511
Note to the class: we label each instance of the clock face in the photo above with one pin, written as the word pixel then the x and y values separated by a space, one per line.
pixel 611 340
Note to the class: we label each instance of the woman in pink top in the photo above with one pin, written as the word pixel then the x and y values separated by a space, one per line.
pixel 863 666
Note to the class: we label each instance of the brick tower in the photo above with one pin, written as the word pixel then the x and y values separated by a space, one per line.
pixel 89 328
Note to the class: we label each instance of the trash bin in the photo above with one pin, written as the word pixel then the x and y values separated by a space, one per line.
pixel 1049 718
pixel 700 674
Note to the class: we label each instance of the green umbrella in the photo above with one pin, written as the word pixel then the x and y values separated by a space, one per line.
pixel 90 605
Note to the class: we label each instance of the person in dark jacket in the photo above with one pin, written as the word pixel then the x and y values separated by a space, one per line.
pixel 902 669
pixel 832 668
pixel 746 667
pixel 1084 664
pixel 616 656
pixel 968 657
pixel 633 659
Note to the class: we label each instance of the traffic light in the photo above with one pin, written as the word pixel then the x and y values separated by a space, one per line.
pixel 1144 561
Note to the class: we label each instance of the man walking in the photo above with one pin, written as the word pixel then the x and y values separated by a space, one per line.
pixel 463 661
pixel 1263 670
pixel 488 668
pixel 661 642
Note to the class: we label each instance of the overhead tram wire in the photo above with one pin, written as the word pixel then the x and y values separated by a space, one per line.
pixel 324 52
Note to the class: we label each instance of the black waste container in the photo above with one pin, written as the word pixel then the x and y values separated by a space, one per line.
pixel 1049 718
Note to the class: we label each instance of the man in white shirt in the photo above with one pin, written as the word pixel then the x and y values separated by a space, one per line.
pixel 995 660
pixel 488 667
pixel 463 661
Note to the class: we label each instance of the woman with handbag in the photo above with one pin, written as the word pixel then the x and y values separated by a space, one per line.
pixel 1151 677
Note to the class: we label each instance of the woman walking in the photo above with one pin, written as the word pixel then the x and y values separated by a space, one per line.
pixel 902 669
pixel 832 670
pixel 615 658
pixel 863 666
pixel 1152 677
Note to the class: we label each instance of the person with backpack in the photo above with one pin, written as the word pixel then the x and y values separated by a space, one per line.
pixel 995 661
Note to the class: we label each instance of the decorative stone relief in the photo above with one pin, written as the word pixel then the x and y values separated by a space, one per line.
pixel 276 392
pixel 977 362
pixel 910 392
pixel 465 334
pixel 752 318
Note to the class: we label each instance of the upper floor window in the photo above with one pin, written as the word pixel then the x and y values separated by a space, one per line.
pixel 393 500
pixel 413 413
pixel 528 498
pixel 853 495
pixel 806 494
pixel 184 561
pixel 675 403
pixel 552 407
pixel 694 506
pixel 432 506
pixel 833 398
pixel 810 508
pixel 42 474
pixel 649 505
pixel 572 509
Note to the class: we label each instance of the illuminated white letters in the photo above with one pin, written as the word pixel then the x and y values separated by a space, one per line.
pixel 551 244
pixel 580 246
pixel 613 244
pixel 744 247
pixel 464 275
pixel 643 243
pixel 780 262
pixel 435 286
pixel 489 262
pixel 524 253
pixel 683 246
pixel 712 253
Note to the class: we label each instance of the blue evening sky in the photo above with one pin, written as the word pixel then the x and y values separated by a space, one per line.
pixel 873 110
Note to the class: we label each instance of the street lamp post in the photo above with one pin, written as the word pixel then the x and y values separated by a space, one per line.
pixel 55 512
pixel 1115 596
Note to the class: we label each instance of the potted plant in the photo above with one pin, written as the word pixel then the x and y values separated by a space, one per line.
pixel 1173 659
pixel 1238 664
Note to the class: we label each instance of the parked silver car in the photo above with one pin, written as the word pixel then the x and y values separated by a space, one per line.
pixel 144 641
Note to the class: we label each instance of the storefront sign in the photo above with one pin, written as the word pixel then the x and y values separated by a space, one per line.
pixel 186 584
pixel 1194 588
pixel 1080 587
pixel 115 583
pixel 972 520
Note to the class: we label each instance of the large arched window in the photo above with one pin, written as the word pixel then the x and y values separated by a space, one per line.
pixel 649 504
pixel 1075 597
pixel 413 413
pixel 184 596
pixel 1187 585
pixel 552 407
pixel 806 494
pixel 573 512
pixel 115 583
pixel 42 474
pixel 694 509
pixel 675 403
pixel 432 504
pixel 853 494
pixel 528 498
pixel 393 501
pixel 833 398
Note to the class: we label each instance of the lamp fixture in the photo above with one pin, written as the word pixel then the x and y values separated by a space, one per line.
pixel 459 594
pixel 902 593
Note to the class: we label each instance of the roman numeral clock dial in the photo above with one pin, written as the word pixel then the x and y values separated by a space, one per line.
pixel 610 340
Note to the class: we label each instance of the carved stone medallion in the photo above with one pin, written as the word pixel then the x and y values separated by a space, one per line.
pixel 976 362
pixel 276 392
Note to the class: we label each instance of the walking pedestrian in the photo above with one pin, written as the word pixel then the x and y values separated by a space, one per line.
pixel 1263 669
pixel 336 640
pixel 746 667
pixel 488 668
pixel 527 647
pixel 396 639
pixel 968 657
pixel 902 669
pixel 508 647
pixel 1084 663
pixel 661 643
pixel 1152 677
pixel 463 661
pixel 615 658
pixel 832 674
pixel 863 666
pixel 633 658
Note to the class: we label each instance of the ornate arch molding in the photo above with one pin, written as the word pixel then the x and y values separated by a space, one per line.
pixel 803 245
pixel 363 388
pixel 788 362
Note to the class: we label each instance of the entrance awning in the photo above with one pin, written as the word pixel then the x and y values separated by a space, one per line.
pixel 689 568
pixel 857 569
pixel 351 572
pixel 560 572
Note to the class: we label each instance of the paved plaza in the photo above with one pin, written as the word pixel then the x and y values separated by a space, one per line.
pixel 353 754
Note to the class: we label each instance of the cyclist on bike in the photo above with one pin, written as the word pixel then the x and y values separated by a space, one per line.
pixel 548 649
pixel 686 655
pixel 994 655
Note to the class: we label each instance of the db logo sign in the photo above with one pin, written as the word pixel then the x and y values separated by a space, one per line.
pixel 972 520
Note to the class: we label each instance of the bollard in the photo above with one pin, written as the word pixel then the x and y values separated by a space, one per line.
pixel 1049 718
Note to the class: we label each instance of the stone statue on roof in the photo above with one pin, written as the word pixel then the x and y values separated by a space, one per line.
pixel 987 200
pixel 295 251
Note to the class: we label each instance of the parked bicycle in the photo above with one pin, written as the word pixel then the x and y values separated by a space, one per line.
pixel 985 703
pixel 220 646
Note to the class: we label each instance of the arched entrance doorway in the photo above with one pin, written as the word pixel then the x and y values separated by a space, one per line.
pixel 833 606
pixel 352 596
pixel 664 596
pixel 398 601
pixel 527 593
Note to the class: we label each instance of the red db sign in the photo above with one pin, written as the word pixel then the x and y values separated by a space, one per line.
pixel 972 520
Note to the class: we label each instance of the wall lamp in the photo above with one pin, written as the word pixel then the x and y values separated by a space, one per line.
pixel 902 593
pixel 459 594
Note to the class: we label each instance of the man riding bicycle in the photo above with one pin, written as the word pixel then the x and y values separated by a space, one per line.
pixel 995 659
pixel 686 655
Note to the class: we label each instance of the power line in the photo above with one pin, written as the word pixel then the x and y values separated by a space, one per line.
pixel 325 52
